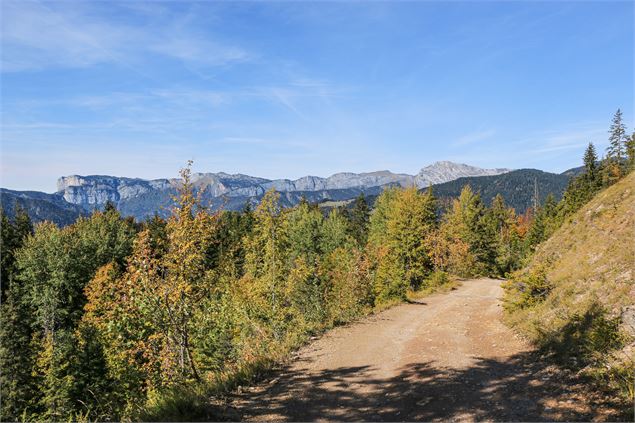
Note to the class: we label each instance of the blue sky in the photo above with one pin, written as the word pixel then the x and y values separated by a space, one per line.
pixel 286 89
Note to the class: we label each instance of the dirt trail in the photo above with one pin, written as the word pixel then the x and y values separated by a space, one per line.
pixel 447 357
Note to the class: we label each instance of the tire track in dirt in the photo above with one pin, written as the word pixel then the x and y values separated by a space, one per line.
pixel 447 357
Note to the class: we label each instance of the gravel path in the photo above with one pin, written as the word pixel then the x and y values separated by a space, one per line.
pixel 448 356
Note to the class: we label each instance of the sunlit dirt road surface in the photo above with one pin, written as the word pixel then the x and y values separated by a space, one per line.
pixel 446 357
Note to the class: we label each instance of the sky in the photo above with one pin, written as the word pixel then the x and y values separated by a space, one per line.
pixel 287 89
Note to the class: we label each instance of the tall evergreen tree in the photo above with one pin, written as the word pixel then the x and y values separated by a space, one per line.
pixel 617 137
pixel 109 206
pixel 590 164
pixel 54 265
pixel 303 232
pixel 8 241
pixel 334 232
pixel 615 165
pixel 411 220
pixel 544 222
pixel 630 152
pixel 266 261
pixel 482 238
pixel 359 217
pixel 13 235
pixel 500 214
pixel 19 385
pixel 379 218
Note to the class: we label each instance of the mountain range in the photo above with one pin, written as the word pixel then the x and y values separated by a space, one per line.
pixel 79 195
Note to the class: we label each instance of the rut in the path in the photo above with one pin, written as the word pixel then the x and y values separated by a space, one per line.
pixel 447 357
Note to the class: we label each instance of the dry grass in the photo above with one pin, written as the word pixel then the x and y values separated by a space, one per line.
pixel 590 268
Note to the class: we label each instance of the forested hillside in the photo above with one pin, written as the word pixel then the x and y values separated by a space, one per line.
pixel 577 296
pixel 111 319
pixel 142 198
pixel 135 313
pixel 40 206
pixel 518 188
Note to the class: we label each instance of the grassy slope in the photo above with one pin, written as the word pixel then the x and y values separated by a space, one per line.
pixel 589 261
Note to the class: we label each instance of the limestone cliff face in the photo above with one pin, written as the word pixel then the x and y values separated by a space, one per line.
pixel 142 197
pixel 97 190
pixel 440 172
pixel 344 180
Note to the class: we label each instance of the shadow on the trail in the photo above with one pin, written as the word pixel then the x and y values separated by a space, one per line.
pixel 515 389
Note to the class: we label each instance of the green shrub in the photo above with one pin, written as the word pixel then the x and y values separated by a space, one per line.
pixel 438 278
pixel 526 289
pixel 586 339
pixel 621 377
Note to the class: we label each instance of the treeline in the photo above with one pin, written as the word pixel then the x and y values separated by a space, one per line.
pixel 106 318
pixel 618 161
pixel 103 318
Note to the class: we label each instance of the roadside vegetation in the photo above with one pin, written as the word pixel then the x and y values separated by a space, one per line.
pixel 576 297
pixel 110 319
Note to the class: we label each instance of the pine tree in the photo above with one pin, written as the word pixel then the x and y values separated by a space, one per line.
pixel 550 211
pixel 630 152
pixel 334 233
pixel 53 268
pixel 22 222
pixel 227 250
pixel 615 152
pixel 500 214
pixel 347 285
pixel 483 238
pixel 359 217
pixel 388 278
pixel 502 220
pixel 263 285
pixel 303 232
pixel 455 233
pixel 469 228
pixel 379 218
pixel 411 220
pixel 617 135
pixel 536 232
pixel 590 165
pixel 545 222
pixel 19 386
pixel 8 241
pixel 13 235
pixel 109 206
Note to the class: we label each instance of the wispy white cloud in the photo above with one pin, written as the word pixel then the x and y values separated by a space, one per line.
pixel 163 109
pixel 191 49
pixel 567 137
pixel 35 37
pixel 39 35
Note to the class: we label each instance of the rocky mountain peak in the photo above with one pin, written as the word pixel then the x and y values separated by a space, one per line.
pixel 95 190
pixel 445 171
